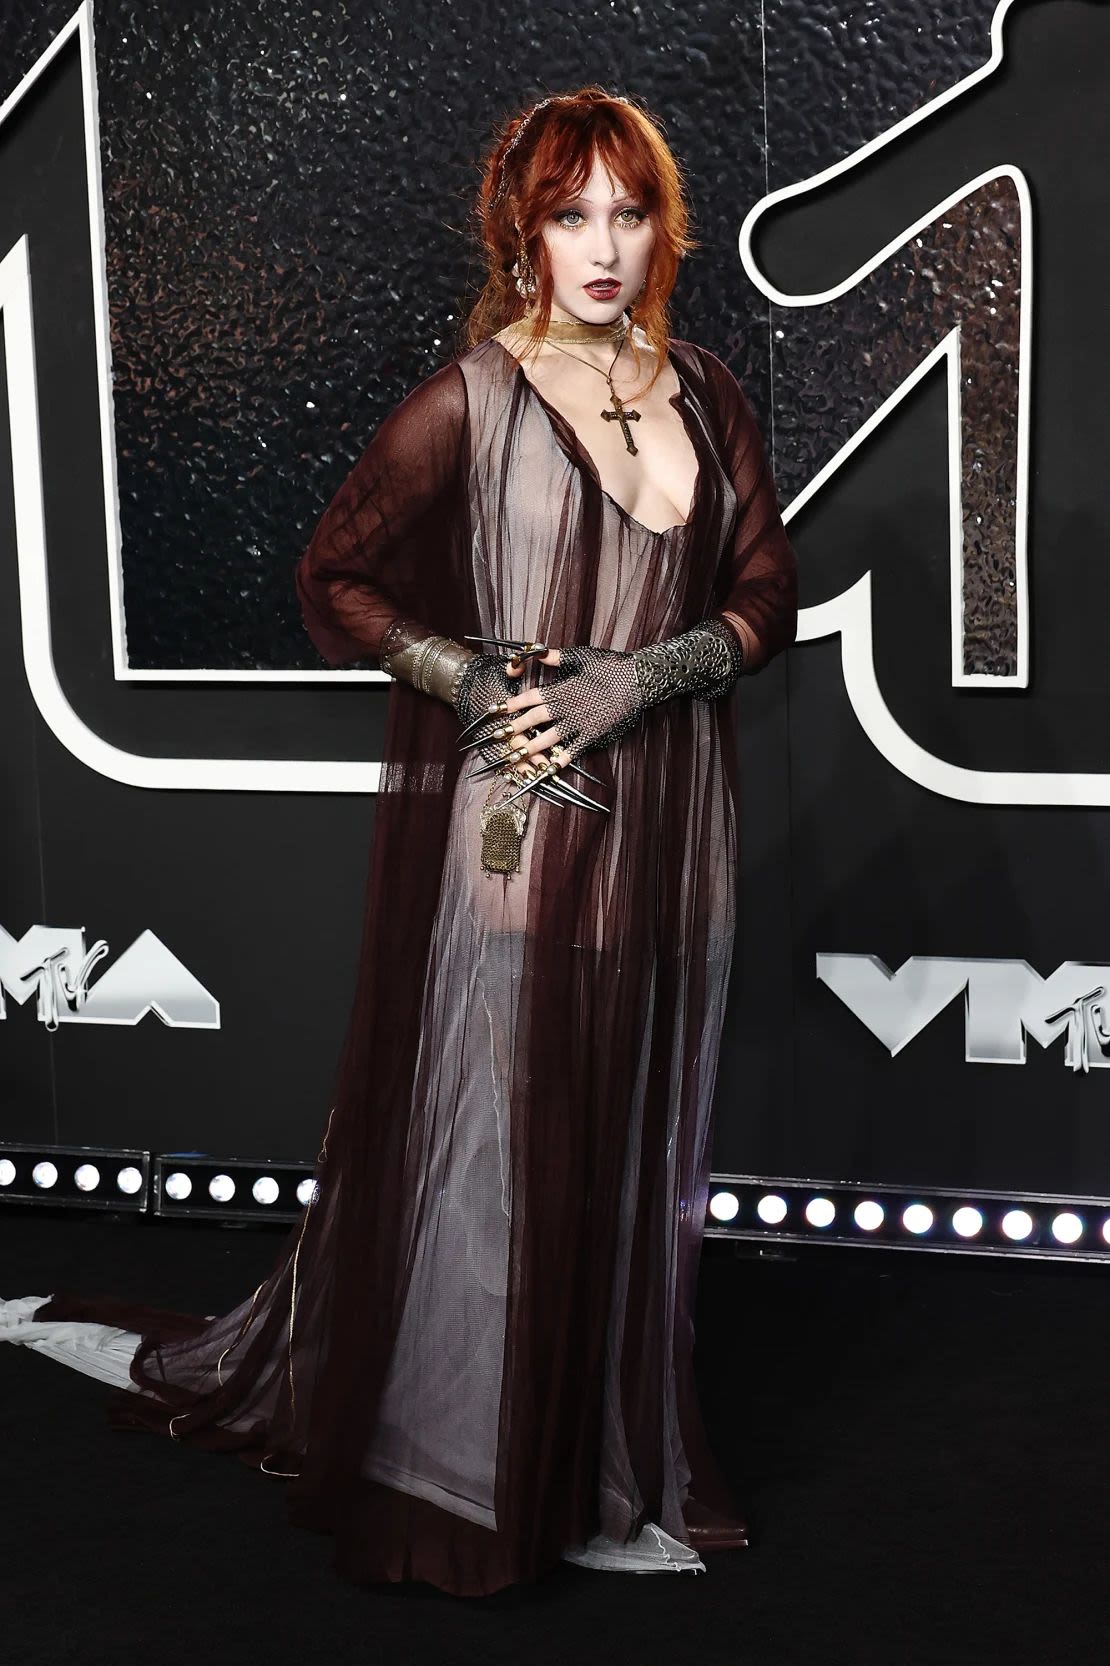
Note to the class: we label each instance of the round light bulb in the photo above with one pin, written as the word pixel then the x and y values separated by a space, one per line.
pixel 820 1211
pixel 724 1206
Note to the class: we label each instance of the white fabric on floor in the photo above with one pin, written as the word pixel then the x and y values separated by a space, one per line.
pixel 653 1552
pixel 102 1351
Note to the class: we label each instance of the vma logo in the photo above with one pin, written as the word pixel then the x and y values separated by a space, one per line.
pixel 1004 1001
pixel 51 963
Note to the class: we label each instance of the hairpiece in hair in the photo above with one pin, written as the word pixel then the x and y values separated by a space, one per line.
pixel 503 172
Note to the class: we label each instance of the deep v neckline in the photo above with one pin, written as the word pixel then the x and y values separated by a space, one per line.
pixel 557 421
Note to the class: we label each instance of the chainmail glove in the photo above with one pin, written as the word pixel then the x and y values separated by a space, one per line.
pixel 483 684
pixel 601 693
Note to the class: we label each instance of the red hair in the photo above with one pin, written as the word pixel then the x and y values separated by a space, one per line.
pixel 545 155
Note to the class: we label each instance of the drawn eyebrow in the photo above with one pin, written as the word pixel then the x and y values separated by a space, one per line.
pixel 616 203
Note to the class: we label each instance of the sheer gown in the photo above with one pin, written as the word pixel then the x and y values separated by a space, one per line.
pixel 473 1355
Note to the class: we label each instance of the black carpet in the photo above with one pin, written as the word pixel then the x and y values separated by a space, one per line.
pixel 921 1442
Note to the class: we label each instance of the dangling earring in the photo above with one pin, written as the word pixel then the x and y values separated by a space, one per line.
pixel 524 273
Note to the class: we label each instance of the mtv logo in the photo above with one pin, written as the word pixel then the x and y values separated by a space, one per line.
pixel 1004 1001
pixel 51 962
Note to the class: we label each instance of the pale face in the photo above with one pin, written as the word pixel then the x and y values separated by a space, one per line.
pixel 603 234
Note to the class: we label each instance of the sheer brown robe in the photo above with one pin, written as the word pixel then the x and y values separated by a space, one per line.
pixel 475 1350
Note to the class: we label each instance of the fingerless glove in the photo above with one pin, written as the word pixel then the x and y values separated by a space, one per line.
pixel 484 683
pixel 602 693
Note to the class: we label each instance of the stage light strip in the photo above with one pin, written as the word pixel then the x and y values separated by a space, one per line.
pixel 755 1208
pixel 195 1184
pixel 75 1176
pixel 934 1218
pixel 172 1184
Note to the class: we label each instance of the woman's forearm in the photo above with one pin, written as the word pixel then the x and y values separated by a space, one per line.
pixel 432 663
pixel 703 662
pixel 743 631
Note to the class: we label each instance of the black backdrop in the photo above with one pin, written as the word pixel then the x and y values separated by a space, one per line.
pixel 285 200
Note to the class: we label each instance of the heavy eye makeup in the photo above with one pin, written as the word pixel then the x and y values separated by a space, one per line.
pixel 639 215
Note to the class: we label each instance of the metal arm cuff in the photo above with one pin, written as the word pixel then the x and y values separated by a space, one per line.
pixel 703 661
pixel 433 664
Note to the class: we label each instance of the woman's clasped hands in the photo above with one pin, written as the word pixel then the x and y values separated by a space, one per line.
pixel 539 731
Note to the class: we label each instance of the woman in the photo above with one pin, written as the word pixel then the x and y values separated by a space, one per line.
pixel 474 1355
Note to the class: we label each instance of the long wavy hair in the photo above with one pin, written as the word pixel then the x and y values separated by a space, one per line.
pixel 542 156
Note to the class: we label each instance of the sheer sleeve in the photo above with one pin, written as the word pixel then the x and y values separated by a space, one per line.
pixel 757 588
pixel 376 554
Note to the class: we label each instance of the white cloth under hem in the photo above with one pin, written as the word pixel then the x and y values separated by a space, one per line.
pixel 105 1352
pixel 652 1552
pixel 101 1351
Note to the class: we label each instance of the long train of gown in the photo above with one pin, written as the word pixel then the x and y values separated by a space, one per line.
pixel 106 1353
pixel 550 1124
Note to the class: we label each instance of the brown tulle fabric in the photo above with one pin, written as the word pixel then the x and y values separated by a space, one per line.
pixel 476 1348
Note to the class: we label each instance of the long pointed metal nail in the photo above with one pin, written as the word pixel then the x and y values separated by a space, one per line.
pixel 573 801
pixel 567 803
pixel 485 769
pixel 576 796
pixel 577 767
pixel 560 792
pixel 498 641
pixel 483 717
pixel 572 763
pixel 530 787
pixel 542 789
pixel 481 740
pixel 577 770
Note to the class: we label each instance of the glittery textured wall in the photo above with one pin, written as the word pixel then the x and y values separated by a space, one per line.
pixel 286 197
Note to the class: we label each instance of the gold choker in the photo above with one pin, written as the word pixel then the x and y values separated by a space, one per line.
pixel 577 329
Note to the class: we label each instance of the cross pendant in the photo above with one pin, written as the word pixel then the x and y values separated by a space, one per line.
pixel 619 414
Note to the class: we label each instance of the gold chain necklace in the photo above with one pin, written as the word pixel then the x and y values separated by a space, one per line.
pixel 622 413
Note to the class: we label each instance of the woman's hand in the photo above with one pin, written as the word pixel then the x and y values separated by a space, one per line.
pixel 599 694
pixel 536 731
pixel 484 684
pixel 594 702
pixel 516 722
pixel 494 681
pixel 532 702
